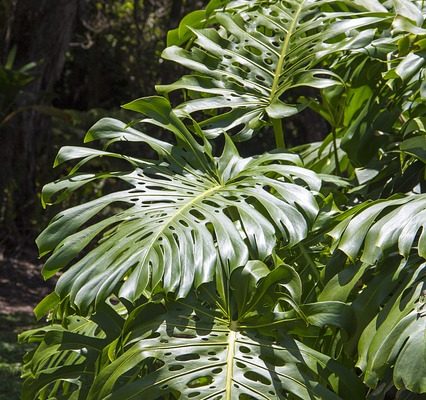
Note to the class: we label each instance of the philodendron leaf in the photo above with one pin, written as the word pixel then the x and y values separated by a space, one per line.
pixel 255 280
pixel 415 146
pixel 395 337
pixel 371 5
pixel 65 354
pixel 255 53
pixel 191 351
pixel 410 66
pixel 198 19
pixel 410 368
pixel 381 225
pixel 408 10
pixel 178 224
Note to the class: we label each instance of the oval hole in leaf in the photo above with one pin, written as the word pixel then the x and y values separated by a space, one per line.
pixel 217 370
pixel 244 349
pixel 199 382
pixel 188 357
pixel 255 377
pixel 154 335
pixel 175 367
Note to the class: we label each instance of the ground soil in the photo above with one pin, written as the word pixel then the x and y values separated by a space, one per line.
pixel 21 289
pixel 21 284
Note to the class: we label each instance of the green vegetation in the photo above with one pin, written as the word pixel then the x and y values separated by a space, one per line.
pixel 298 273
pixel 11 353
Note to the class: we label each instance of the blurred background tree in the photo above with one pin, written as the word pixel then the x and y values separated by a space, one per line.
pixel 34 32
pixel 115 52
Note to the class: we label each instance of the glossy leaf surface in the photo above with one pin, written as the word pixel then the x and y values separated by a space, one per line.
pixel 242 69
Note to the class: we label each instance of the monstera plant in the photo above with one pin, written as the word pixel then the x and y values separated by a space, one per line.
pixel 294 274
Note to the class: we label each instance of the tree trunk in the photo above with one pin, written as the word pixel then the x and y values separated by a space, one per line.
pixel 41 32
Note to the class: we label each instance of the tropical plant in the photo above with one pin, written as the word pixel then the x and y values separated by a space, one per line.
pixel 295 274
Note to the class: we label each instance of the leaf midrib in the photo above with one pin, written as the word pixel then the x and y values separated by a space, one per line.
pixel 232 339
pixel 170 221
pixel 284 52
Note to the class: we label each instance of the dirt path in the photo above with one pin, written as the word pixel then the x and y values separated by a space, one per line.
pixel 21 284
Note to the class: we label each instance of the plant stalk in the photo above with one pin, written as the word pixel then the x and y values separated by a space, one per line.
pixel 278 133
pixel 336 157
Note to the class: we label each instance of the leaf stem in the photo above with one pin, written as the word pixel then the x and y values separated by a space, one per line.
pixel 278 133
pixel 276 123
pixel 336 157
pixel 309 260
pixel 312 267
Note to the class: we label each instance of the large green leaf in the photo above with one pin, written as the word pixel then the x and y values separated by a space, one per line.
pixel 395 337
pixel 388 306
pixel 192 348
pixel 378 226
pixel 69 352
pixel 385 74
pixel 227 288
pixel 64 359
pixel 415 146
pixel 258 53
pixel 196 354
pixel 177 229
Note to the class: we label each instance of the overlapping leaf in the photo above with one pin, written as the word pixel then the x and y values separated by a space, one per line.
pixel 68 355
pixel 177 229
pixel 64 359
pixel 197 355
pixel 376 227
pixel 377 115
pixel 191 348
pixel 242 68
pixel 187 218
pixel 320 156
pixel 389 319
pixel 395 337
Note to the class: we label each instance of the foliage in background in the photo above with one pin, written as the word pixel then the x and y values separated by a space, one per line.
pixel 11 353
pixel 12 82
pixel 293 274
pixel 128 36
